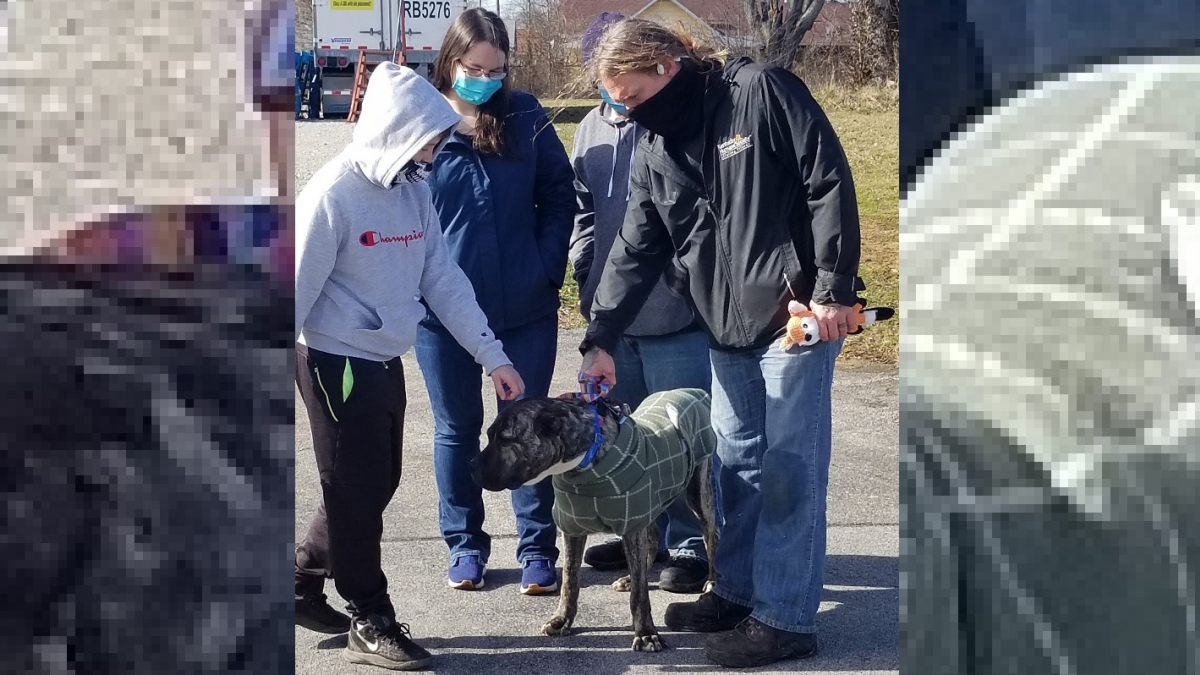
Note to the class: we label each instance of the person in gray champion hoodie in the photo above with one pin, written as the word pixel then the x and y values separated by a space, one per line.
pixel 369 248
pixel 664 348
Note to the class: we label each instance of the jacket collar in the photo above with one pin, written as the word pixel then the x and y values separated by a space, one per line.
pixel 611 118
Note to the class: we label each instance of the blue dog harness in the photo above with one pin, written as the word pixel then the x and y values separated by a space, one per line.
pixel 594 392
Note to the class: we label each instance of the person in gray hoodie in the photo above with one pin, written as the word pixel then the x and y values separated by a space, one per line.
pixel 370 248
pixel 664 348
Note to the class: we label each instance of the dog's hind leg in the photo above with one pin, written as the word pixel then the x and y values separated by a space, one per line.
pixel 652 535
pixel 702 501
pixel 568 598
pixel 645 635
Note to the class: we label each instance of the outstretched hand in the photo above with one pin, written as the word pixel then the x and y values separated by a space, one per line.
pixel 509 385
pixel 598 364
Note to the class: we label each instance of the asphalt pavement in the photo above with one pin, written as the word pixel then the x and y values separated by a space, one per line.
pixel 495 630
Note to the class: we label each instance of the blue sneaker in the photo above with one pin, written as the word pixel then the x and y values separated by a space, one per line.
pixel 466 573
pixel 538 577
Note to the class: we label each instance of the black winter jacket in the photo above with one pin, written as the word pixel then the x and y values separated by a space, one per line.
pixel 758 211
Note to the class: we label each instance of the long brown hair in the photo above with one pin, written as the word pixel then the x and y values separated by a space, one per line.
pixel 637 46
pixel 469 29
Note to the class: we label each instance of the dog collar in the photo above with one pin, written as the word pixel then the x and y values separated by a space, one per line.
pixel 615 409
pixel 597 441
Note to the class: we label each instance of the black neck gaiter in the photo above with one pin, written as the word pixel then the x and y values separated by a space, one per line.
pixel 676 112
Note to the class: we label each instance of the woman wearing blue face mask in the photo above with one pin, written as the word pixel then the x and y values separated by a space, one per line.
pixel 503 187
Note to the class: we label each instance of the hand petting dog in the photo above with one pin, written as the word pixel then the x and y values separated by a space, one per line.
pixel 508 382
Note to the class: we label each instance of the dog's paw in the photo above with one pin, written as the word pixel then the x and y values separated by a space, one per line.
pixel 557 626
pixel 623 584
pixel 648 643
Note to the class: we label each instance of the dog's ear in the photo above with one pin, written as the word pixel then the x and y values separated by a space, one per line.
pixel 548 424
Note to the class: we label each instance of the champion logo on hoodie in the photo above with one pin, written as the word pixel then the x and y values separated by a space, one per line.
pixel 372 237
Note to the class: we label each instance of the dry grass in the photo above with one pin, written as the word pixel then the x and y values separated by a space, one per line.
pixel 870 140
pixel 867 122
pixel 867 99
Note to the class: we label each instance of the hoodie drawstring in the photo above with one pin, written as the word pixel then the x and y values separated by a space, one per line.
pixel 629 178
pixel 612 174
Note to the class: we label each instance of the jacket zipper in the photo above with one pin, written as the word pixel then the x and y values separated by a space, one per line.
pixel 728 265
pixel 719 229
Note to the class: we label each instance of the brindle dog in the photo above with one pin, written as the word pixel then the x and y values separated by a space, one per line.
pixel 534 439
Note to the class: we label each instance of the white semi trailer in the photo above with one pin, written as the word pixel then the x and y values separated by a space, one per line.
pixel 342 27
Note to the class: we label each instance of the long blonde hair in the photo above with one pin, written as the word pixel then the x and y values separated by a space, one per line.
pixel 637 46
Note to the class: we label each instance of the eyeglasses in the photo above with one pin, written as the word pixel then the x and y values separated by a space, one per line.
pixel 499 74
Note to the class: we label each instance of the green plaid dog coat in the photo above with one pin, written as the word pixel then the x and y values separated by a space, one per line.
pixel 635 478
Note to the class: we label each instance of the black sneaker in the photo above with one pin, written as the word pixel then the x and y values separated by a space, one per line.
pixel 379 641
pixel 607 557
pixel 684 574
pixel 752 643
pixel 610 556
pixel 708 614
pixel 314 613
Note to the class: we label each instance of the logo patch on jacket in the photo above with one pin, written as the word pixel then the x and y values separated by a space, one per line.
pixel 736 145
pixel 371 238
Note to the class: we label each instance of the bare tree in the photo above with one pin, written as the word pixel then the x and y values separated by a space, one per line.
pixel 543 61
pixel 779 26
pixel 875 30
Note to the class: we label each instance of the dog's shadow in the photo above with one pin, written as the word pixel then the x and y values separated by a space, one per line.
pixel 507 578
pixel 859 632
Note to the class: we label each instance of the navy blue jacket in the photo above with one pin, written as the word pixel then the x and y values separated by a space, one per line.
pixel 508 219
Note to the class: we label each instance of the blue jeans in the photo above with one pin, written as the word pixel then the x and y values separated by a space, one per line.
pixel 647 365
pixel 772 415
pixel 453 380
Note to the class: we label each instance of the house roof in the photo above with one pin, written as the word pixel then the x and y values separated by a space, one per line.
pixel 580 13
pixel 830 27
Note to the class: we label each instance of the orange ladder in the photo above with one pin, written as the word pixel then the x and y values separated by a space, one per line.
pixel 367 60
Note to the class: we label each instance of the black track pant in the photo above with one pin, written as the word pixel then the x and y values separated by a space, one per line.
pixel 356 413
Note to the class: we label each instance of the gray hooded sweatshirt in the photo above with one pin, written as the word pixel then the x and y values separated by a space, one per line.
pixel 369 250
pixel 602 156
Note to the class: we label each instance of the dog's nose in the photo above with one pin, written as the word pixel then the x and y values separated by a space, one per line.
pixel 473 464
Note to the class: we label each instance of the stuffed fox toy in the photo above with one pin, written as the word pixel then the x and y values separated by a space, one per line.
pixel 802 328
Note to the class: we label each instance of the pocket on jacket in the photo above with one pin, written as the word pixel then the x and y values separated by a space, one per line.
pixel 396 326
pixel 549 278
pixel 556 285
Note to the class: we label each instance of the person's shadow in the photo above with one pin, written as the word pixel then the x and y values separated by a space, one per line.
pixel 858 633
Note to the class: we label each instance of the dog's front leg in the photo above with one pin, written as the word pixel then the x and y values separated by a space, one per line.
pixel 568 597
pixel 645 635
